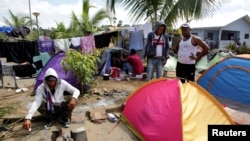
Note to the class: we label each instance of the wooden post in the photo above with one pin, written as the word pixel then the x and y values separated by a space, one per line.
pixel 79 134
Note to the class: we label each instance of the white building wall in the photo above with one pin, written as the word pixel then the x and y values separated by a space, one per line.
pixel 199 32
pixel 240 25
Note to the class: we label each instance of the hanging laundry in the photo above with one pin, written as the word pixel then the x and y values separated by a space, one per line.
pixel 103 40
pixel 146 29
pixel 124 33
pixel 87 44
pixel 46 46
pixel 136 40
pixel 61 44
pixel 75 42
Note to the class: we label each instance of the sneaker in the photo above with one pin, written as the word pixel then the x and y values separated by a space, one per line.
pixel 66 124
pixel 127 78
pixel 126 71
pixel 48 125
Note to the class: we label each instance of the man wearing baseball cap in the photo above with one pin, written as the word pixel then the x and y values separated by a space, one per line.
pixel 186 50
pixel 50 102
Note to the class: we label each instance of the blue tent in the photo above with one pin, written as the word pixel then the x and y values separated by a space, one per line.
pixel 44 57
pixel 106 57
pixel 6 29
pixel 229 82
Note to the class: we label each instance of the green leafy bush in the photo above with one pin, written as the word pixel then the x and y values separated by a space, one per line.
pixel 243 49
pixel 84 67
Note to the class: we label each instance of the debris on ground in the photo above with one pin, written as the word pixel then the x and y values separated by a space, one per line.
pixel 105 92
pixel 97 115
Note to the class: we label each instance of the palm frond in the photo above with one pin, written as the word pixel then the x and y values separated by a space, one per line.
pixel 169 11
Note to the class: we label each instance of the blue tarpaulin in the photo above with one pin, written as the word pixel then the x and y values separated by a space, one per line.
pixel 6 29
pixel 15 32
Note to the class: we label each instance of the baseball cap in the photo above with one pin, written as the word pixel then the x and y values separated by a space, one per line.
pixel 185 25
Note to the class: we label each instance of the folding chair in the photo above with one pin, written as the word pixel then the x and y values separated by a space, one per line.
pixel 7 70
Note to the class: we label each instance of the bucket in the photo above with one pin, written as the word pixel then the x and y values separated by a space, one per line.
pixel 79 134
pixel 114 72
pixel 105 76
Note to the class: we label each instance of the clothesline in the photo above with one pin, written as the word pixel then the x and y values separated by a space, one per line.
pixel 136 36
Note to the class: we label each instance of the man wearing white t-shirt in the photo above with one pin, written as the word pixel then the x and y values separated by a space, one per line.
pixel 186 50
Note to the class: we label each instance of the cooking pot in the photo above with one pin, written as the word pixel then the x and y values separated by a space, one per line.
pixel 105 76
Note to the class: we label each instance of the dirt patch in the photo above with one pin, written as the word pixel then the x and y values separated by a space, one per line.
pixel 108 92
pixel 19 103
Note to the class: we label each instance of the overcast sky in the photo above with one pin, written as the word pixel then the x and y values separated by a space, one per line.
pixel 52 11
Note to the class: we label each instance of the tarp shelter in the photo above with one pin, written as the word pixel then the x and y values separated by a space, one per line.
pixel 6 29
pixel 228 81
pixel 55 63
pixel 103 39
pixel 19 52
pixel 44 57
pixel 22 31
pixel 205 62
pixel 212 58
pixel 167 110
pixel 15 32
pixel 106 58
pixel 171 63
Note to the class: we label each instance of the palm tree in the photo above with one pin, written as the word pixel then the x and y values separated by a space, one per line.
pixel 85 22
pixel 16 21
pixel 79 25
pixel 191 10
pixel 169 11
pixel 61 31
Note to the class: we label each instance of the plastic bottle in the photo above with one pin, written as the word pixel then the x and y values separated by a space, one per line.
pixel 45 134
pixel 111 117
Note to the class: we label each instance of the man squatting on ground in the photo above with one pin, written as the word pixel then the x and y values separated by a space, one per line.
pixel 132 63
pixel 186 50
pixel 50 102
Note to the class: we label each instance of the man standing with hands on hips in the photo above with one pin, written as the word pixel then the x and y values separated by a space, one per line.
pixel 50 102
pixel 186 50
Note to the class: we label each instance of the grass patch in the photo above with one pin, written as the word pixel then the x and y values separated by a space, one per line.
pixel 6 110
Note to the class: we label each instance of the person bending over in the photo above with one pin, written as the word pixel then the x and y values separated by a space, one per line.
pixel 132 63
